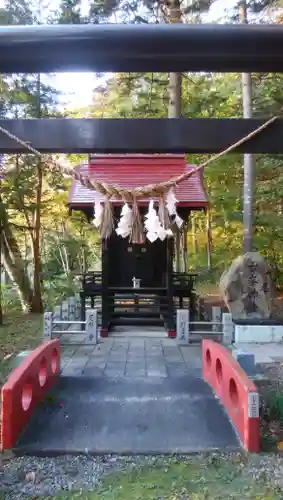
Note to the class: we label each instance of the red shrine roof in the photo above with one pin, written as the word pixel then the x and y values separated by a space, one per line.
pixel 130 171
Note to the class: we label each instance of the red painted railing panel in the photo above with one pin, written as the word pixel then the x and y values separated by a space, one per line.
pixel 25 388
pixel 238 394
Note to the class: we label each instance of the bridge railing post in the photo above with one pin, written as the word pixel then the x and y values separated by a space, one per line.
pixel 227 329
pixel 183 326
pixel 91 331
pixel 47 326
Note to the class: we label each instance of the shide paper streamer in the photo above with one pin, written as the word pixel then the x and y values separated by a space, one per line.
pixel 155 225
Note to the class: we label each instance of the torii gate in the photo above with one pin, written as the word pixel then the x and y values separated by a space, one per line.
pixel 141 48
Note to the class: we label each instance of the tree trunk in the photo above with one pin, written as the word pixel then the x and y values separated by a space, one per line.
pixel 175 95
pixel 37 306
pixel 175 79
pixel 175 100
pixel 15 266
pixel 209 239
pixel 248 158
pixel 194 235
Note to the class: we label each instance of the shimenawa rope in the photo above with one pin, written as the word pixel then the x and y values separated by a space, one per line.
pixel 157 189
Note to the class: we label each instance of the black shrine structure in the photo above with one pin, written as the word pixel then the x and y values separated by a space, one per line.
pixel 163 287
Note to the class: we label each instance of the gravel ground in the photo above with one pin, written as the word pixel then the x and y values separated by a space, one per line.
pixel 23 477
pixel 28 477
pixel 32 476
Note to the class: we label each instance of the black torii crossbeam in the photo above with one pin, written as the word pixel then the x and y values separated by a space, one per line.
pixel 59 135
pixel 141 48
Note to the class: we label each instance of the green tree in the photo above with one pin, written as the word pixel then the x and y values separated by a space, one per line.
pixel 69 12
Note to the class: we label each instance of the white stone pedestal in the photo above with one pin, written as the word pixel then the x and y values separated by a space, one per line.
pixel 258 333
pixel 227 329
pixel 182 326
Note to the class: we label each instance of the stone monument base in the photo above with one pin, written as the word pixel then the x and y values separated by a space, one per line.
pixel 259 332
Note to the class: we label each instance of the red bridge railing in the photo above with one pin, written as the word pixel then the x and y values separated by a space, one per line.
pixel 238 394
pixel 25 388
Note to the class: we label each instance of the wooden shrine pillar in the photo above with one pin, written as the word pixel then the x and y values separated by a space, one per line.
pixel 178 244
pixel 185 247
pixel 209 238
pixel 169 284
pixel 104 288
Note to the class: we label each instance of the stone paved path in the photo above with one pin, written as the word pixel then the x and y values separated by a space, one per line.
pixel 130 357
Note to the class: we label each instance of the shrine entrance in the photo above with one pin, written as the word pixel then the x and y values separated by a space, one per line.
pixel 146 262
pixel 137 284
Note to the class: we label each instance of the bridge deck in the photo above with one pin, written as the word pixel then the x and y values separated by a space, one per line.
pixel 125 415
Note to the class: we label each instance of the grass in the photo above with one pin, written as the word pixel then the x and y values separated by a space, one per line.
pixel 196 478
pixel 19 332
pixel 206 289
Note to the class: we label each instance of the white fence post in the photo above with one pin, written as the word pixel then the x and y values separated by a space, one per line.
pixel 182 326
pixel 57 313
pixel 69 308
pixel 72 304
pixel 91 336
pixel 227 328
pixel 47 326
pixel 65 314
pixel 77 307
pixel 56 316
pixel 216 318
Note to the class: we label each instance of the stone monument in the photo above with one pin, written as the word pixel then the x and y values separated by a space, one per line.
pixel 247 292
pixel 247 288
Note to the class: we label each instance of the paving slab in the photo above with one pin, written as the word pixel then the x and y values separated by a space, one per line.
pixel 120 357
pixel 93 371
pixel 99 415
pixel 135 369
pixel 157 372
pixel 167 342
pixel 135 357
pixel 115 369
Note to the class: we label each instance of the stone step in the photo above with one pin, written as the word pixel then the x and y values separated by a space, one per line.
pixel 136 314
pixel 126 320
